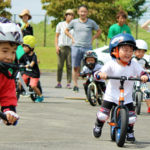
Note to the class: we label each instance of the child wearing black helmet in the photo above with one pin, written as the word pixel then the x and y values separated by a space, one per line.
pixel 121 49
pixel 10 38
pixel 91 65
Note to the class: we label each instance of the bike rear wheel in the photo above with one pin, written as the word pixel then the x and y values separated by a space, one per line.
pixel 122 125
pixel 138 98
pixel 91 94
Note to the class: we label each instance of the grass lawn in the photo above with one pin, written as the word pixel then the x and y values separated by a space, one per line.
pixel 47 55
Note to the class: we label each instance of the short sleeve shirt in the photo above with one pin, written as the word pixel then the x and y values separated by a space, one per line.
pixel 63 39
pixel 116 29
pixel 26 60
pixel 83 32
pixel 114 69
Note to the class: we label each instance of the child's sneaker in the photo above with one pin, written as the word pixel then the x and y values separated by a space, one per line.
pixel 58 85
pixel 39 99
pixel 148 110
pixel 97 131
pixel 130 136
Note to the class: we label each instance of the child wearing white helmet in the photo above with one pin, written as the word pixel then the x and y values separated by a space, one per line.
pixel 29 59
pixel 142 48
pixel 10 38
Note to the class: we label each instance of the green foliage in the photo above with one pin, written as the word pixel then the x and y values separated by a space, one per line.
pixel 102 11
pixel 137 10
pixel 133 7
pixel 3 5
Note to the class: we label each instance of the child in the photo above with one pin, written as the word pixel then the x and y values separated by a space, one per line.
pixel 121 49
pixel 139 54
pixel 10 38
pixel 29 59
pixel 25 26
pixel 91 66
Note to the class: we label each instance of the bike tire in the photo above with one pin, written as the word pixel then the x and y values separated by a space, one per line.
pixel 91 95
pixel 121 130
pixel 112 128
pixel 100 97
pixel 138 98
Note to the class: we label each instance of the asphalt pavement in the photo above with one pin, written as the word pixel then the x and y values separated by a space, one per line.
pixel 64 121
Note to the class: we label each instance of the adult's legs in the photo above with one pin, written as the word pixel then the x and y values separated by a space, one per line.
pixel 60 65
pixel 68 64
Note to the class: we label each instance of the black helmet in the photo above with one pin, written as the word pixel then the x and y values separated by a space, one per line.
pixel 90 54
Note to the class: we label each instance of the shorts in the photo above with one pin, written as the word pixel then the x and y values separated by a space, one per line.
pixel 33 81
pixel 77 54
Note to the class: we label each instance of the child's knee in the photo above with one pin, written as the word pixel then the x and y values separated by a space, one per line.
pixel 103 114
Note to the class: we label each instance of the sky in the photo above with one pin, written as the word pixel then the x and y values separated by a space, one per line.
pixel 34 6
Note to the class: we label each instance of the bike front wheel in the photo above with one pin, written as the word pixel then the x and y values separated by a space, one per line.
pixel 91 94
pixel 138 99
pixel 122 125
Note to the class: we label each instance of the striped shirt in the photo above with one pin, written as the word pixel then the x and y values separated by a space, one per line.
pixel 63 39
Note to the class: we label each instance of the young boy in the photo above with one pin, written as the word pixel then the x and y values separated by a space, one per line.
pixel 91 66
pixel 29 59
pixel 120 26
pixel 138 57
pixel 121 49
pixel 10 38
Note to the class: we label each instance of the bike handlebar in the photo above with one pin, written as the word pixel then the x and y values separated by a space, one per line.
pixel 124 78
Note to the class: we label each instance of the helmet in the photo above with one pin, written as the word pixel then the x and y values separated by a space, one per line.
pixel 90 54
pixel 141 44
pixel 29 40
pixel 9 31
pixel 118 40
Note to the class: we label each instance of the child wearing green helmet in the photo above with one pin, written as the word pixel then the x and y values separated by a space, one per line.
pixel 29 59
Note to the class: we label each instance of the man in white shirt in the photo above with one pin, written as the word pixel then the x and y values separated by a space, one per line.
pixel 63 49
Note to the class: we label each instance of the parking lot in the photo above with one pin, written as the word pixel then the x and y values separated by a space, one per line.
pixel 64 121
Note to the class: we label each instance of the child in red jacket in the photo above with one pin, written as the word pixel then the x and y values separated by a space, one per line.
pixel 10 38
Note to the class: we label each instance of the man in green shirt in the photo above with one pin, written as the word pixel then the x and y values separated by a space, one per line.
pixel 120 26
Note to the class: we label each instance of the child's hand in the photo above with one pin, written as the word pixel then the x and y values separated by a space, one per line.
pixel 144 78
pixel 12 117
pixel 103 75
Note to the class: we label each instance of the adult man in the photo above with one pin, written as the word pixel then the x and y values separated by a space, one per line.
pixel 82 40
pixel 120 26
pixel 63 49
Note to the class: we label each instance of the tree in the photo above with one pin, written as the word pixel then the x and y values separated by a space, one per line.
pixel 102 11
pixel 3 5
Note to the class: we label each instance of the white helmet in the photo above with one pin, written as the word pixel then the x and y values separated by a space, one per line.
pixel 9 31
pixel 141 44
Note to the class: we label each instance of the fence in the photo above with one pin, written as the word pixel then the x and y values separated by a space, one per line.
pixel 45 34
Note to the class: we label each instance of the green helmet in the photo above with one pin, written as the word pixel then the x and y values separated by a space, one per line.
pixel 29 40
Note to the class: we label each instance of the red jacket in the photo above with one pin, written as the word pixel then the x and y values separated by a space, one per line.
pixel 7 91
